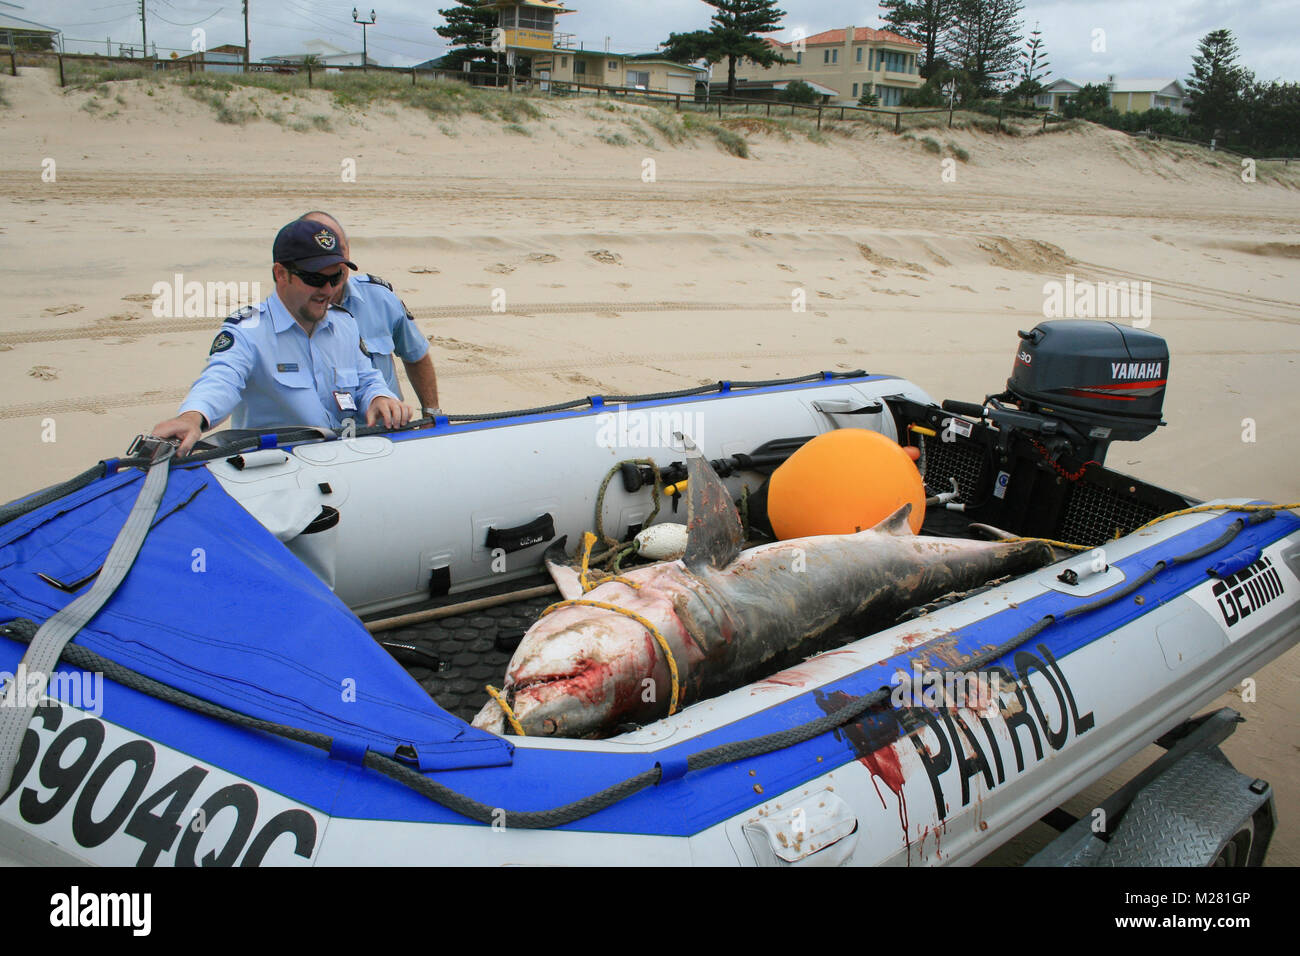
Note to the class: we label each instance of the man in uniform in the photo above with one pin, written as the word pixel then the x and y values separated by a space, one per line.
pixel 294 359
pixel 387 327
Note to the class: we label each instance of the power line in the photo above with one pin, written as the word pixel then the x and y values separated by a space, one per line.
pixel 194 24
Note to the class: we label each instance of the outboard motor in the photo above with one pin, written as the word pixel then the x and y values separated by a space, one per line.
pixel 1033 459
pixel 1087 383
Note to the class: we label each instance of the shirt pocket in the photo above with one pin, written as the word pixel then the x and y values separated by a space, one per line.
pixel 346 379
pixel 293 379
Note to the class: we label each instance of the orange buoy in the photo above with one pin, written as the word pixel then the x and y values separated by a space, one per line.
pixel 843 481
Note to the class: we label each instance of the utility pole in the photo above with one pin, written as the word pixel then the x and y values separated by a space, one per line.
pixel 245 36
pixel 144 34
pixel 365 57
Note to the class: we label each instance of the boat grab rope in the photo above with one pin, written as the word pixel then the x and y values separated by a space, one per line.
pixel 1247 509
pixel 472 809
pixel 510 714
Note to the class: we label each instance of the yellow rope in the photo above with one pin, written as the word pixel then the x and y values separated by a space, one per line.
pixel 510 714
pixel 654 631
pixel 588 541
pixel 1173 514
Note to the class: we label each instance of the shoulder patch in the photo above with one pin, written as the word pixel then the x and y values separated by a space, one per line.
pixel 364 351
pixel 378 281
pixel 222 343
pixel 247 312
pixel 407 311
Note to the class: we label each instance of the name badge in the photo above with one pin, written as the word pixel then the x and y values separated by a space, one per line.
pixel 287 367
pixel 345 401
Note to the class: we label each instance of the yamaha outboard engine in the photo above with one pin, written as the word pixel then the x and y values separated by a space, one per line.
pixel 1032 459
pixel 1087 383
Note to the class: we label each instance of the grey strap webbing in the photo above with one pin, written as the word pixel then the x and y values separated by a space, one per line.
pixel 33 675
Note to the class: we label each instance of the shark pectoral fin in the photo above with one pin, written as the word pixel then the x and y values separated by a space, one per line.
pixel 562 573
pixel 713 532
pixel 897 523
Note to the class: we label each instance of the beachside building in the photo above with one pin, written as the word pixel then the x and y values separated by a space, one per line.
pixel 22 34
pixel 1127 96
pixel 226 58
pixel 537 49
pixel 851 63
pixel 326 54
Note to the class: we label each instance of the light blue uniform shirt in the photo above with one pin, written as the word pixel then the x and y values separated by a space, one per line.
pixel 265 369
pixel 386 326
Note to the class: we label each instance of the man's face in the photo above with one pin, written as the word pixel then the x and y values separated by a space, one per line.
pixel 306 303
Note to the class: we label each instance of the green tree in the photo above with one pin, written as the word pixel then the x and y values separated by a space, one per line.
pixel 799 92
pixel 925 21
pixel 985 42
pixel 1089 103
pixel 733 35
pixel 1215 89
pixel 1033 68
pixel 468 32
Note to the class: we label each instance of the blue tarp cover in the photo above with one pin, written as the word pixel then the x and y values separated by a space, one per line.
pixel 217 607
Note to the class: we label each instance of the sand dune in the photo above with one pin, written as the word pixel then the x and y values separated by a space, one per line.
pixel 620 285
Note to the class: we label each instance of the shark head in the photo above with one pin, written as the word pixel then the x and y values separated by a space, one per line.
pixel 576 673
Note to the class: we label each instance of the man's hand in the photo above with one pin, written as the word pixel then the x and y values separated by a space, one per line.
pixel 392 412
pixel 188 427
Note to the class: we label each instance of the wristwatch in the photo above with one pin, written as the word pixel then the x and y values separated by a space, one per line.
pixel 432 412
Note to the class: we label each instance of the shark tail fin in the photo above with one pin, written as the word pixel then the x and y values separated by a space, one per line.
pixel 562 572
pixel 714 534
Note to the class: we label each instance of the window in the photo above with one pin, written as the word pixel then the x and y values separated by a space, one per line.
pixel 855 91
pixel 798 59
pixel 859 54
pixel 835 56
pixel 564 63
pixel 638 79
pixel 612 66
pixel 826 56
pixel 895 62
pixel 531 18
pixel 579 67
pixel 890 95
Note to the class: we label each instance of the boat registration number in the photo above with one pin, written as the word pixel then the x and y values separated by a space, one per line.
pixel 110 796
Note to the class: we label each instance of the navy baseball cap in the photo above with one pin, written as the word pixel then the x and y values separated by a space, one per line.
pixel 309 246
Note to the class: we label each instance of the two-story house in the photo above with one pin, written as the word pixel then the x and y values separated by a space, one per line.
pixel 850 62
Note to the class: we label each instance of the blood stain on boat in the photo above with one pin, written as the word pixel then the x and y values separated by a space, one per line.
pixel 884 764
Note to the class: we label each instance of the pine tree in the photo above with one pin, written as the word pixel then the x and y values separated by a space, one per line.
pixel 985 42
pixel 1033 67
pixel 925 21
pixel 1216 85
pixel 733 35
pixel 468 31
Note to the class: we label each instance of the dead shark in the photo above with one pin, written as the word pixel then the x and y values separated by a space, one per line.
pixel 728 618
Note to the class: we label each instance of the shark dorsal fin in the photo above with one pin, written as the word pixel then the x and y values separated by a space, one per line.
pixel 714 536
pixel 897 523
pixel 562 572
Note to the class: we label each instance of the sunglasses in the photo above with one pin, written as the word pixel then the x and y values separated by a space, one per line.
pixel 318 279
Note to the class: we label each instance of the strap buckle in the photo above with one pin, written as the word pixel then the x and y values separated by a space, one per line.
pixel 151 447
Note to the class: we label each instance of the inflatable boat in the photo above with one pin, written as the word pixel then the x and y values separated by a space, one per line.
pixel 268 653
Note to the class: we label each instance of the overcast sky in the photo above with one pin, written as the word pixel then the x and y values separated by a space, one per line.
pixel 1143 38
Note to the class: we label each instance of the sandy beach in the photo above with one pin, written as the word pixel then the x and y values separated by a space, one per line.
pixel 614 284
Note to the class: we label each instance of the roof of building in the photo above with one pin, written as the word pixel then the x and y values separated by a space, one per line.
pixel 837 37
pixel 660 58
pixel 1143 85
pixel 778 85
pixel 545 4
pixel 1117 86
